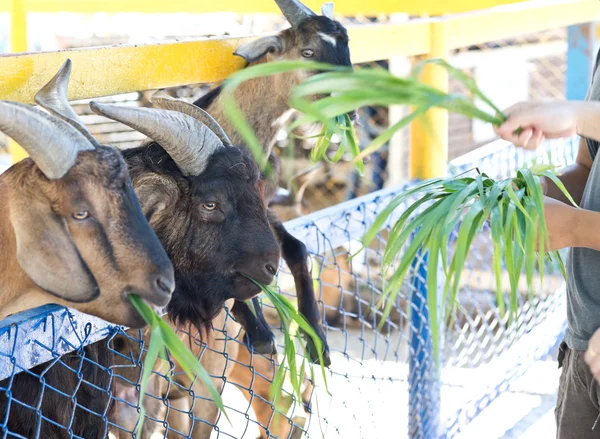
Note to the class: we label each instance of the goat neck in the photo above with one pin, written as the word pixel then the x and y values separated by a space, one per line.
pixel 260 117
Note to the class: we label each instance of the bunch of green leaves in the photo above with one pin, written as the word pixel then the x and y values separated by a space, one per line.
pixel 346 91
pixel 163 337
pixel 292 321
pixel 329 96
pixel 339 125
pixel 514 208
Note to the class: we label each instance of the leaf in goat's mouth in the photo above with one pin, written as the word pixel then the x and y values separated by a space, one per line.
pixel 163 337
pixel 291 322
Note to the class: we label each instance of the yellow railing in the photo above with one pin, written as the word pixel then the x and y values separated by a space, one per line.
pixel 345 7
pixel 113 70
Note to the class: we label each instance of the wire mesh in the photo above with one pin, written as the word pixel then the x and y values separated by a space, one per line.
pixel 65 374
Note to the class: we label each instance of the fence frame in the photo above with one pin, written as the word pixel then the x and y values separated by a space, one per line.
pixel 113 70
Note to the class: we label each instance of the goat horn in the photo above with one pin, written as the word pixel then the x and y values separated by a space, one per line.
pixel 187 140
pixel 162 100
pixel 327 10
pixel 54 98
pixel 294 11
pixel 50 142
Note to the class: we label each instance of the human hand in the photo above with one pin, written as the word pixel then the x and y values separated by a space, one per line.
pixel 529 123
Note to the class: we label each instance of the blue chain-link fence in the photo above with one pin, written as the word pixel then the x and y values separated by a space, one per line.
pixel 65 374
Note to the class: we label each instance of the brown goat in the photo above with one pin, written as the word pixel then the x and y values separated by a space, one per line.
pixel 72 233
pixel 72 230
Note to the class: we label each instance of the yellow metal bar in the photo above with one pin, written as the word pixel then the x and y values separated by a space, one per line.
pixel 346 7
pixel 514 20
pixel 120 69
pixel 429 134
pixel 18 43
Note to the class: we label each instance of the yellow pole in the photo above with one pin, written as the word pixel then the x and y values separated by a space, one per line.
pixel 429 134
pixel 18 43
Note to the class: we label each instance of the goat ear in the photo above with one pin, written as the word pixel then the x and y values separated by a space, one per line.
pixel 255 50
pixel 155 194
pixel 48 255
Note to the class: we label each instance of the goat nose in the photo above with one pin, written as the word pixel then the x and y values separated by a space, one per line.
pixel 270 269
pixel 163 286
pixel 271 262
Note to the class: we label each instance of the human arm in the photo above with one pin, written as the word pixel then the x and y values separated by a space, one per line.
pixel 569 226
pixel 574 177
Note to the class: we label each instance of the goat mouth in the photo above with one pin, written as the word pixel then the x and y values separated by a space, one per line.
pixel 138 320
pixel 160 310
pixel 244 288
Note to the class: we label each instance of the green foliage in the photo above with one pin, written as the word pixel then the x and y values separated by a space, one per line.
pixel 328 97
pixel 514 208
pixel 291 321
pixel 164 337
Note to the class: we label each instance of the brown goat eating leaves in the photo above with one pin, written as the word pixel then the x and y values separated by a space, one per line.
pixel 72 230
pixel 72 233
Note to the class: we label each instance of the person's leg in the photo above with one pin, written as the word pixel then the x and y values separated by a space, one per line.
pixel 577 407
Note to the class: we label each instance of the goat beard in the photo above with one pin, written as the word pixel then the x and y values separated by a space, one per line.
pixel 198 298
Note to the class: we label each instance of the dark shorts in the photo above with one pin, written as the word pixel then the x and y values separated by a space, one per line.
pixel 577 407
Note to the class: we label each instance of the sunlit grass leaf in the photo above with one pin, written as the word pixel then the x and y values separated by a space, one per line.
pixel 163 337
pixel 233 111
pixel 290 318
pixel 514 208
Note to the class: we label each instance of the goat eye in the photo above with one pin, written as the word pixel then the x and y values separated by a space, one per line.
pixel 210 206
pixel 79 216
pixel 308 53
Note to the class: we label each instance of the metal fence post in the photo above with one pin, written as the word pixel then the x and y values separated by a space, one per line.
pixel 424 403
pixel 580 59
pixel 428 159
pixel 18 43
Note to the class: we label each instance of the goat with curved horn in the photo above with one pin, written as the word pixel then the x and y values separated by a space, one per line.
pixel 50 142
pixel 162 100
pixel 188 141
pixel 54 98
pixel 294 11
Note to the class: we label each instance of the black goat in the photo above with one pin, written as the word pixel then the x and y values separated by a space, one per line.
pixel 263 100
